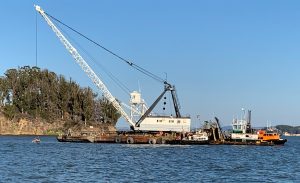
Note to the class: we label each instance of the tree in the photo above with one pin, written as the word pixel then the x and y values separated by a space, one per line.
pixel 40 93
pixel 3 91
pixel 87 104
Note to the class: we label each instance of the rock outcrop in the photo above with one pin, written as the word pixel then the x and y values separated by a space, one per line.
pixel 24 126
pixel 28 127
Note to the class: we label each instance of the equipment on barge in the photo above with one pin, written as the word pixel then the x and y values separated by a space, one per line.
pixel 146 126
pixel 199 137
pixel 141 118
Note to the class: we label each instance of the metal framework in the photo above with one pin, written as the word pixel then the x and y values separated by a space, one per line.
pixel 85 67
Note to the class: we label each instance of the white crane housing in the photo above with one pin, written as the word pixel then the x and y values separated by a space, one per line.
pixel 147 122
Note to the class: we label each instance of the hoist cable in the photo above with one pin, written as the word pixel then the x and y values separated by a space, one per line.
pixel 140 69
pixel 36 39
pixel 110 75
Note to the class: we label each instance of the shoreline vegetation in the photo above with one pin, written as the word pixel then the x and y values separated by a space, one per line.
pixel 40 102
pixel 286 129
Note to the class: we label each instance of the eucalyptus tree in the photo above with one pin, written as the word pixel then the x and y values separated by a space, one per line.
pixel 3 90
pixel 41 93
pixel 87 104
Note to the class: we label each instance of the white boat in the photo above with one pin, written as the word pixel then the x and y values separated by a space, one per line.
pixel 197 138
pixel 241 129
pixel 36 140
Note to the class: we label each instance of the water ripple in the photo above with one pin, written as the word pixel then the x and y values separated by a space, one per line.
pixel 51 161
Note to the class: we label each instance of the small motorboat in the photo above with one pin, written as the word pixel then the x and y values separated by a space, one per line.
pixel 36 140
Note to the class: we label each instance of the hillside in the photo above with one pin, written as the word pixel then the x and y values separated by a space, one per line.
pixel 289 129
pixel 35 101
pixel 28 127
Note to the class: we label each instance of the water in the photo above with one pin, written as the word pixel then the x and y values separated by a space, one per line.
pixel 51 161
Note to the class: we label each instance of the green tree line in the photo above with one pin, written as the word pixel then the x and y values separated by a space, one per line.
pixel 43 94
pixel 289 129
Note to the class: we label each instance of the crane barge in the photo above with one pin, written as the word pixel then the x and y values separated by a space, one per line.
pixel 146 127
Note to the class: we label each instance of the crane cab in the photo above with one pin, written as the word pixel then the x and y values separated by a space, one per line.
pixel 165 123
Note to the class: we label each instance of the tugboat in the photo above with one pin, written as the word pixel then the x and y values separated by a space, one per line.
pixel 270 136
pixel 243 133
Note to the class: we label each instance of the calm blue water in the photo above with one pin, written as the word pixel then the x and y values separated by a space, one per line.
pixel 51 161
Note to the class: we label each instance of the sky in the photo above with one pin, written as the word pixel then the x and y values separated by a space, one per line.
pixel 222 56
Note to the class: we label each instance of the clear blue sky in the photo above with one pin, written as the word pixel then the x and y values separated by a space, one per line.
pixel 221 55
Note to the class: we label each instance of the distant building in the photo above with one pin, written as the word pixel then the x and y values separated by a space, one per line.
pixel 290 134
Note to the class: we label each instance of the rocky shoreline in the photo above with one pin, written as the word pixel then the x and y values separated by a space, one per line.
pixel 28 127
pixel 25 126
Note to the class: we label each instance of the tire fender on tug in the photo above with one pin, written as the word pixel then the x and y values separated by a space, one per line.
pixel 160 141
pixel 130 140
pixel 152 141
pixel 118 139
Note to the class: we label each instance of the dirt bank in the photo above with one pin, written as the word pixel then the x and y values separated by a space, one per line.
pixel 24 126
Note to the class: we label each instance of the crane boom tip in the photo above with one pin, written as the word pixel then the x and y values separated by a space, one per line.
pixel 38 8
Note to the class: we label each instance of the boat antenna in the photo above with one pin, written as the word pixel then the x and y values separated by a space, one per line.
pixel 140 91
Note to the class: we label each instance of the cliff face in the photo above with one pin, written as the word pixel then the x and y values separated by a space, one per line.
pixel 27 127
pixel 35 127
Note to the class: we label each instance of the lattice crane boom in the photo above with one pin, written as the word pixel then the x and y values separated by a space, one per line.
pixel 85 67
